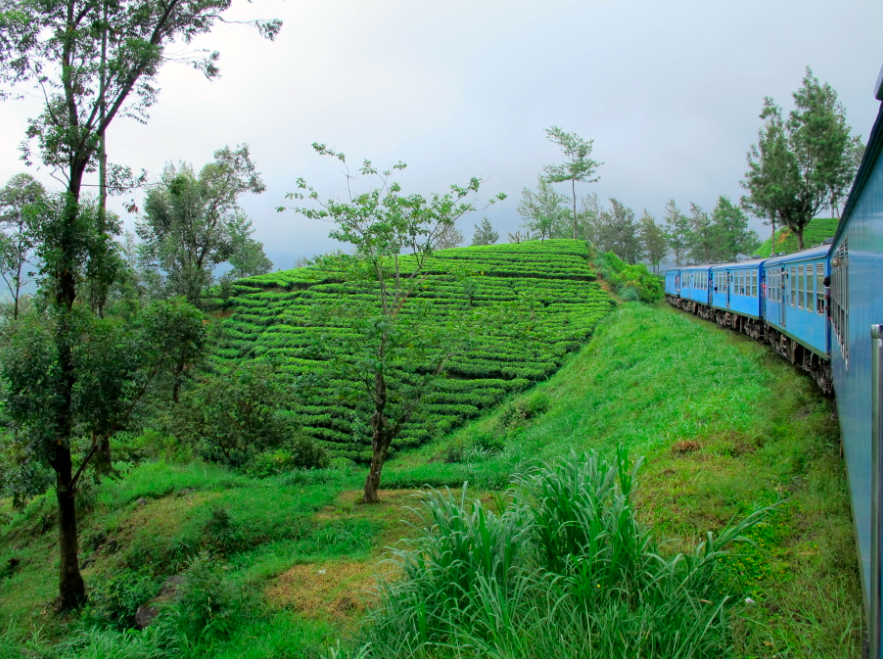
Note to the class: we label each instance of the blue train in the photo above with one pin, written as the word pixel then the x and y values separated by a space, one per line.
pixel 822 309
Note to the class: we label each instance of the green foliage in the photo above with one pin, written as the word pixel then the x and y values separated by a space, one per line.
pixel 485 233
pixel 815 232
pixel 18 201
pixel 804 162
pixel 207 605
pixel 543 212
pixel 531 305
pixel 563 569
pixel 300 453
pixel 192 224
pixel 116 599
pixel 577 168
pixel 233 416
pixel 631 282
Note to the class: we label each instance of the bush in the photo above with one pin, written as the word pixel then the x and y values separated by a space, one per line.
pixel 302 453
pixel 631 282
pixel 207 605
pixel 116 600
pixel 232 417
pixel 515 414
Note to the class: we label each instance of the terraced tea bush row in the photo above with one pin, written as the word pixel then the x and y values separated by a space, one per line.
pixel 540 301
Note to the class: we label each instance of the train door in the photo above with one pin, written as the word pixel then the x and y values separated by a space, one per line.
pixel 729 287
pixel 784 295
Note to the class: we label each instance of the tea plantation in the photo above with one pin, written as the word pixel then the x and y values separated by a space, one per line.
pixel 540 301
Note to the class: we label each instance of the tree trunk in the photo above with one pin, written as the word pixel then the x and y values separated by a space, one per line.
pixel 71 588
pixel 799 233
pixel 380 440
pixel 372 482
pixel 573 191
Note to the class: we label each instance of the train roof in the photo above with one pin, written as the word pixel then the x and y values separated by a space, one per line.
pixel 869 160
pixel 750 263
pixel 811 253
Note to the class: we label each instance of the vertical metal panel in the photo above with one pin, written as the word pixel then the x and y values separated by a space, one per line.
pixel 876 488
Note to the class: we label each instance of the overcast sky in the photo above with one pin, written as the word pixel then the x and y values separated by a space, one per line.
pixel 670 93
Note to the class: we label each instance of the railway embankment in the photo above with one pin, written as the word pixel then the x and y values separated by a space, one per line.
pixel 280 567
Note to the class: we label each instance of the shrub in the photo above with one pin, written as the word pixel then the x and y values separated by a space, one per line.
pixel 301 453
pixel 116 600
pixel 516 413
pixel 207 605
pixel 231 417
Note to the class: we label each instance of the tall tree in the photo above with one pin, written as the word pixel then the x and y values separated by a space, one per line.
pixel 578 167
pixel 677 226
pixel 60 50
pixel 543 210
pixel 654 243
pixel 485 233
pixel 731 236
pixel 193 223
pixel 18 207
pixel 702 238
pixel 617 231
pixel 803 163
pixel 394 235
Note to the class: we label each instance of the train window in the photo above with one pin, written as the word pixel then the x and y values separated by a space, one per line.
pixel 800 282
pixel 754 284
pixel 793 286
pixel 810 288
pixel 820 288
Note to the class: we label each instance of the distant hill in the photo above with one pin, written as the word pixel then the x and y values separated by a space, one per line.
pixel 816 231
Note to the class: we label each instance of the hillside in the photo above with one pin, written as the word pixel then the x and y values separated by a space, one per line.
pixel 279 567
pixel 816 231
pixel 535 301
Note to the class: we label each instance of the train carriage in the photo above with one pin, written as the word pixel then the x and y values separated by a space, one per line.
pixel 796 306
pixel 736 293
pixel 856 315
pixel 694 287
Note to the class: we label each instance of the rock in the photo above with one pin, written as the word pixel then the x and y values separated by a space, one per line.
pixel 145 615
pixel 147 612
pixel 141 502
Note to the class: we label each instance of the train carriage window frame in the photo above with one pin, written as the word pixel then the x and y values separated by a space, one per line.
pixel 820 288
pixel 754 283
pixel 793 278
pixel 800 286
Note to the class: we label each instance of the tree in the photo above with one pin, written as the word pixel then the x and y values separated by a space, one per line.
pixel 579 167
pixel 654 244
pixel 449 237
pixel 114 363
pixel 18 201
pixel 730 233
pixel 395 355
pixel 616 231
pixel 193 223
pixel 543 210
pixel 485 234
pixel 87 75
pixel 701 237
pixel 799 165
pixel 677 227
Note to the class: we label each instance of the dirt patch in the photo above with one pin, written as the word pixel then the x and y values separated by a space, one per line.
pixel 332 589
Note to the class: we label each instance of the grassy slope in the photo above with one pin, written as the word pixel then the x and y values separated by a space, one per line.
pixel 651 378
pixel 814 233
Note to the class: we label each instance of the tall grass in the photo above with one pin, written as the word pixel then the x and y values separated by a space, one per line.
pixel 561 569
